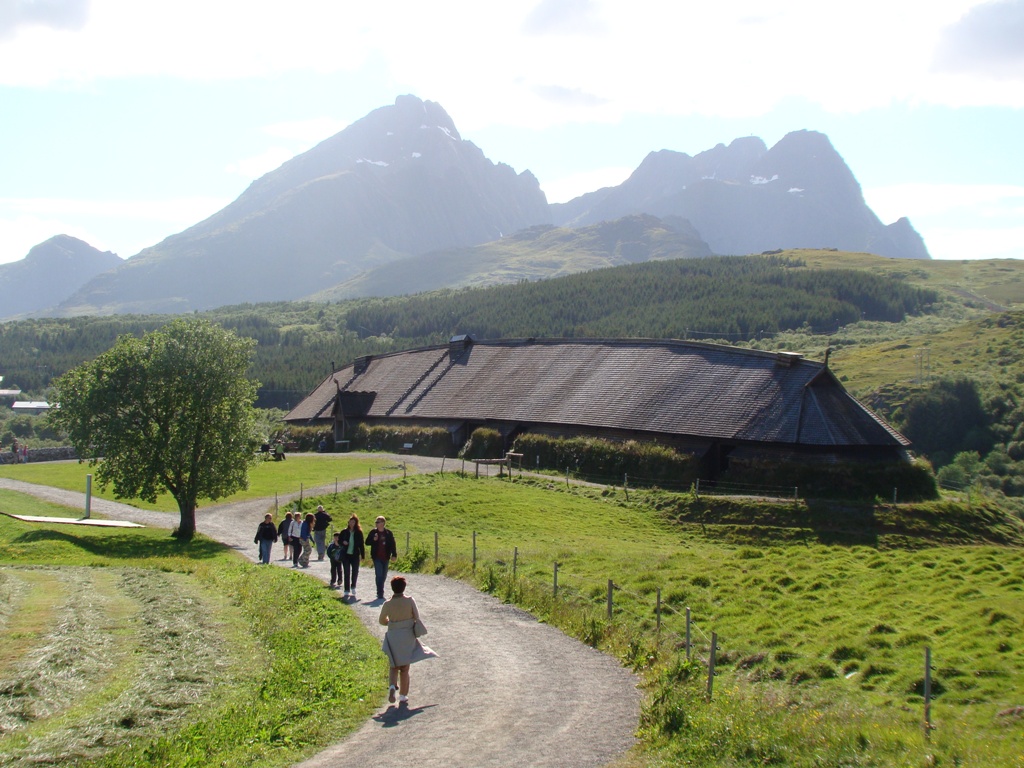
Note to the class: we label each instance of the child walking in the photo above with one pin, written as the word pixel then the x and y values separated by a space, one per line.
pixel 334 555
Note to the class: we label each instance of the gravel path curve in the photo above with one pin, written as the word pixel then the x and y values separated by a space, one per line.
pixel 506 690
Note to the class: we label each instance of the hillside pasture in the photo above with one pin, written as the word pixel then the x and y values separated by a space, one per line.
pixel 821 630
pixel 125 648
pixel 822 616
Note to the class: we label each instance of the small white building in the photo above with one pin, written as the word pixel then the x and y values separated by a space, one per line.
pixel 33 406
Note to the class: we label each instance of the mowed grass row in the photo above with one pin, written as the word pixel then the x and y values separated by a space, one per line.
pixel 821 658
pixel 266 478
pixel 126 648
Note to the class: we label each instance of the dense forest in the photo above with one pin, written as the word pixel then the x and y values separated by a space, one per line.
pixel 726 299
pixel 970 427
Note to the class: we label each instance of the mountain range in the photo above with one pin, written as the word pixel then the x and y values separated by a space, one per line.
pixel 50 271
pixel 398 202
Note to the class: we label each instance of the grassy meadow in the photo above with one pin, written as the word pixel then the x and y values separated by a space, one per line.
pixel 266 478
pixel 821 627
pixel 123 647
pixel 822 615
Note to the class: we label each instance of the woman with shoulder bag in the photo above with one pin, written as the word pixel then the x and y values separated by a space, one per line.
pixel 401 644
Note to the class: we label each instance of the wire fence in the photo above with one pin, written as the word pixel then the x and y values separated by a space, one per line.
pixel 604 608
pixel 627 482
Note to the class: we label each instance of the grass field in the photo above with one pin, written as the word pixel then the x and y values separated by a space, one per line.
pixel 125 648
pixel 822 631
pixel 822 617
pixel 265 479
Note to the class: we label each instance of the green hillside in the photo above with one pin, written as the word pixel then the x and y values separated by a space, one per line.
pixel 911 338
pixel 537 253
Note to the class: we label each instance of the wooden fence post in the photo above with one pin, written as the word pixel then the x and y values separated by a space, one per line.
pixel 657 610
pixel 711 663
pixel 474 550
pixel 407 542
pixel 515 561
pixel 300 495
pixel 927 693
pixel 611 586
pixel 436 551
pixel 688 634
pixel 369 483
pixel 555 591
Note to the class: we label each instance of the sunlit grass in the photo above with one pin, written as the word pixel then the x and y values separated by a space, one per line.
pixel 297 472
pixel 821 639
pixel 126 647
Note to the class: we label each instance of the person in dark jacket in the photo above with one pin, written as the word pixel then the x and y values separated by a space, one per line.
pixel 320 522
pixel 284 532
pixel 334 556
pixel 352 553
pixel 381 543
pixel 266 535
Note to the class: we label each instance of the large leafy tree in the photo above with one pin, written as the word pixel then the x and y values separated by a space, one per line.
pixel 171 411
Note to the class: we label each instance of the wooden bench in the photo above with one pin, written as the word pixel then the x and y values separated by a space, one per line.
pixel 406 448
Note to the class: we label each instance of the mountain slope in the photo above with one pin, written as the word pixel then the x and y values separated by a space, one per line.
pixel 746 198
pixel 398 182
pixel 536 253
pixel 50 273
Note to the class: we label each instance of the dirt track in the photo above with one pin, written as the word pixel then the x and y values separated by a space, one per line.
pixel 506 690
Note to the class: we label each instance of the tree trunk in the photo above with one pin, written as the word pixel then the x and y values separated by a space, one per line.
pixel 187 526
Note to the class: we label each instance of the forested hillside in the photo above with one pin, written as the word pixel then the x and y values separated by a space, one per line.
pixel 735 298
pixel 929 345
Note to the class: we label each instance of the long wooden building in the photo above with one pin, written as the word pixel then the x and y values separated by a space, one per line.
pixel 710 400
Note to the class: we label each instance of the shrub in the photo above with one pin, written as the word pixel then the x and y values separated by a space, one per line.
pixel 484 443
pixel 427 441
pixel 914 481
pixel 644 463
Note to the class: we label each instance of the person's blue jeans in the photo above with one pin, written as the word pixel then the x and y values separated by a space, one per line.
pixel 380 569
pixel 265 546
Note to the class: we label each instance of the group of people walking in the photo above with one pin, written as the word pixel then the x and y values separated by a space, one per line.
pixel 346 551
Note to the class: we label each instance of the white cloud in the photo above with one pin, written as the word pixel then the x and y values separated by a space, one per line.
pixel 957 221
pixel 308 132
pixel 258 165
pixel 122 226
pixel 988 40
pixel 502 63
pixel 53 14
pixel 918 199
pixel 979 243
pixel 566 188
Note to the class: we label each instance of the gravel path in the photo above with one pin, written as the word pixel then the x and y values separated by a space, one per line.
pixel 505 690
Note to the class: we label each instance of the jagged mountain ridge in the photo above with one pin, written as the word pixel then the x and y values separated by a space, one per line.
pixel 50 272
pixel 399 182
pixel 401 188
pixel 746 198
pixel 536 253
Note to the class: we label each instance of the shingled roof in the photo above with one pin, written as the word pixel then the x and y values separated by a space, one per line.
pixel 661 387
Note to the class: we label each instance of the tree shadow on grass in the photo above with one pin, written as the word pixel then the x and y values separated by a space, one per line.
pixel 125 546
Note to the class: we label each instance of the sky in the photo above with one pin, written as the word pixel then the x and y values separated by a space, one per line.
pixel 123 122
